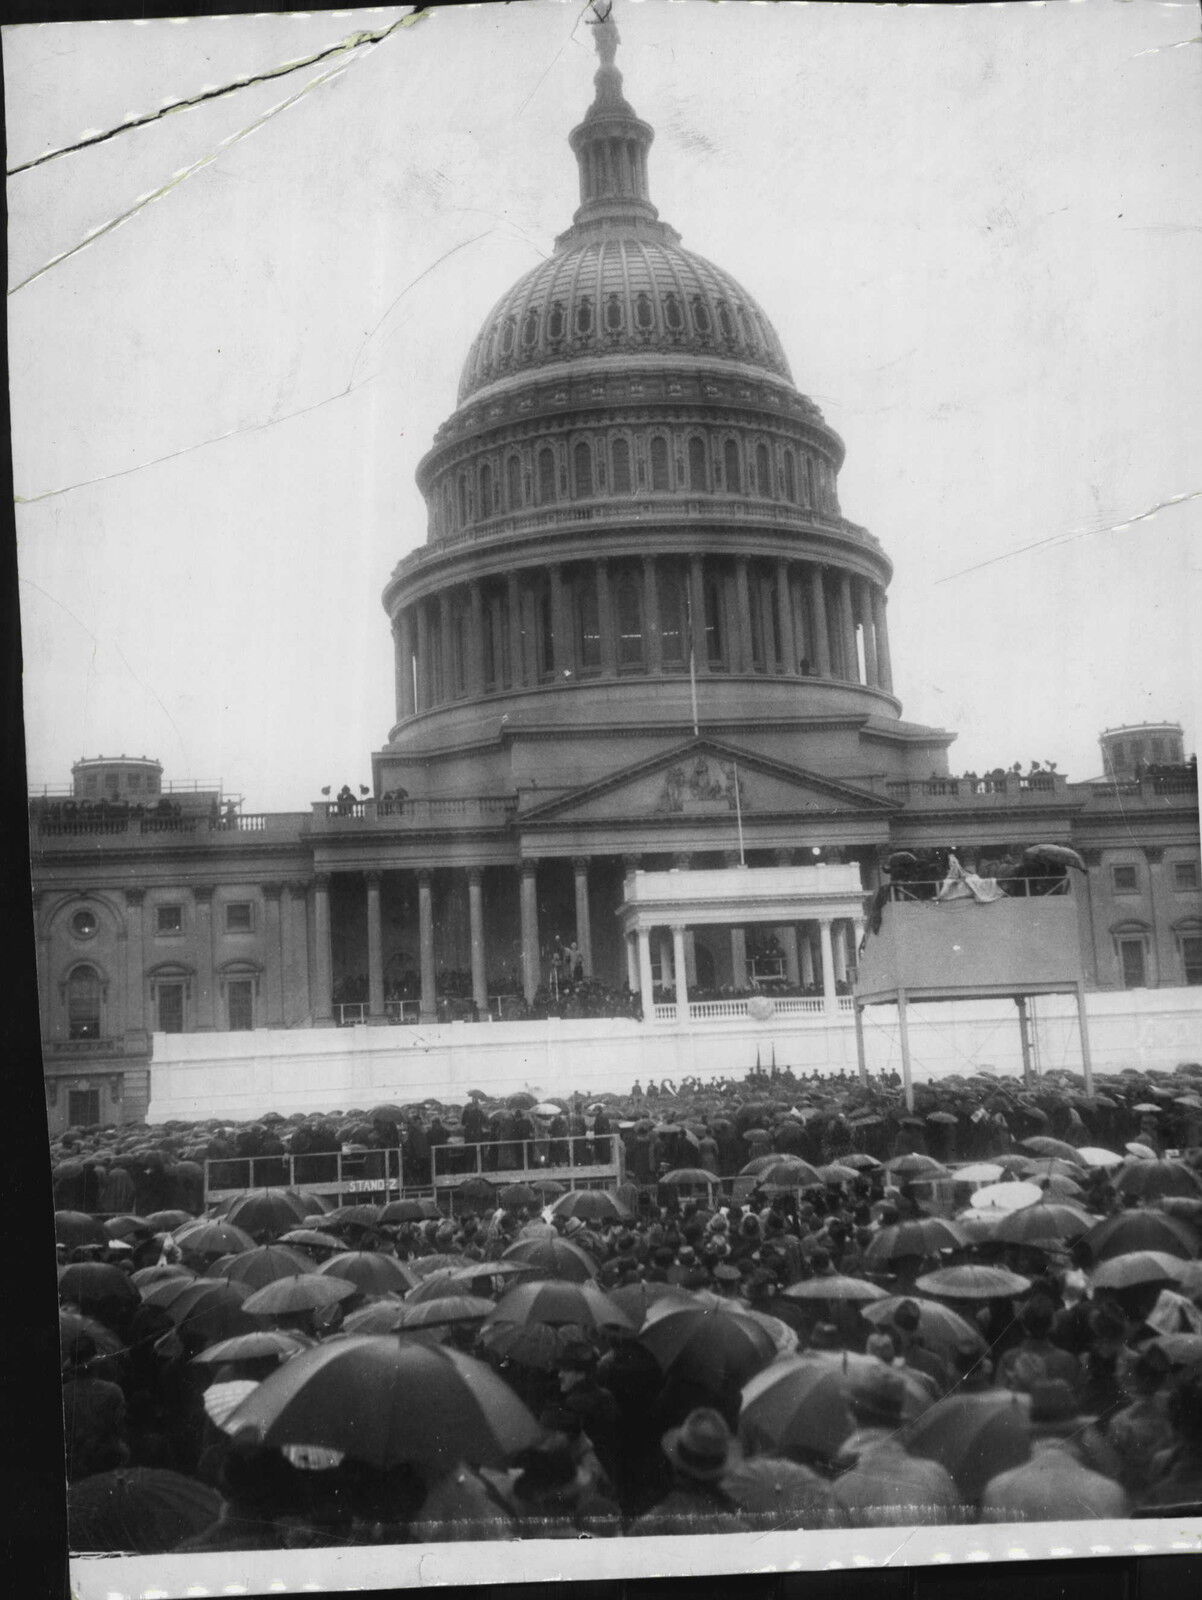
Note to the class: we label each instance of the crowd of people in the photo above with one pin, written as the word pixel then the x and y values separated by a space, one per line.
pixel 800 1303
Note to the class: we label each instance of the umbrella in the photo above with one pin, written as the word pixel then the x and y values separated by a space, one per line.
pixel 979 1172
pixel 799 1403
pixel 1153 1179
pixel 370 1272
pixel 1135 1268
pixel 593 1205
pixel 257 1268
pixel 687 1177
pixel 1141 1230
pixel 388 1401
pixel 305 1292
pixel 917 1166
pixel 1006 1196
pixel 1094 1156
pixel 1182 1349
pixel 773 1493
pixel 1055 852
pixel 125 1227
pixel 220 1400
pixel 476 1191
pixel 791 1172
pixel 145 1276
pixel 75 1228
pixel 937 1324
pixel 1146 1108
pixel 1062 1188
pixel 836 1172
pixel 1044 1223
pixel 710 1347
pixel 554 1257
pixel 582 1304
pixel 973 1436
pixel 73 1325
pixel 547 1108
pixel 516 1195
pixel 410 1211
pixel 268 1212
pixel 549 1188
pixel 477 1277
pixel 521 1101
pixel 356 1216
pixel 1041 1146
pixel 311 1239
pixel 256 1346
pixel 860 1161
pixel 210 1308
pixel 138 1510
pixel 386 1113
pixel 441 1313
pixel 833 1288
pixel 636 1299
pixel 973 1282
pixel 540 1345
pixel 923 1238
pixel 422 1267
pixel 1141 1152
pixel 198 1239
pixel 168 1221
pixel 97 1288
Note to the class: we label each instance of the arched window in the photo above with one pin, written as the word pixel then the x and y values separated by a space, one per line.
pixel 462 486
pixel 730 467
pixel 485 490
pixel 673 313
pixel 508 329
pixel 725 321
pixel 809 481
pixel 584 315
pixel 556 322
pixel 530 328
pixel 698 473
pixel 702 320
pixel 513 483
pixel 546 476
pixel 621 466
pixel 644 316
pixel 660 476
pixel 582 468
pixel 763 471
pixel 588 624
pixel 83 1003
pixel 790 477
pixel 746 328
pixel 629 607
pixel 672 618
pixel 613 315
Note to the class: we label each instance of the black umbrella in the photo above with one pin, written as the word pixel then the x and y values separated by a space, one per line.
pixel 138 1510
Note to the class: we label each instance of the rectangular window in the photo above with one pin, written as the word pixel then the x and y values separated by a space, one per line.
pixel 240 1003
pixel 239 917
pixel 1185 875
pixel 169 919
pixel 1131 954
pixel 134 782
pixel 1191 958
pixel 1125 878
pixel 83 1107
pixel 171 1007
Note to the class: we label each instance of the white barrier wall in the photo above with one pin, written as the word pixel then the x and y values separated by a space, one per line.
pixel 242 1075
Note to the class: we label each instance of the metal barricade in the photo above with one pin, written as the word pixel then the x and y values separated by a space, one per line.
pixel 369 1175
pixel 578 1161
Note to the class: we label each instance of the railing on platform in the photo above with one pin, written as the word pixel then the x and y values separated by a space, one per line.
pixel 367 1174
pixel 926 889
pixel 736 1008
pixel 579 1161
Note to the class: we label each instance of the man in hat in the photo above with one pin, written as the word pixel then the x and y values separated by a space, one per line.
pixel 1036 1318
pixel 587 1400
pixel 700 1452
pixel 1054 1484
pixel 554 1496
pixel 887 1486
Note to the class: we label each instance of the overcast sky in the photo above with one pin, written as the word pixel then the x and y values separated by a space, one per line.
pixel 975 229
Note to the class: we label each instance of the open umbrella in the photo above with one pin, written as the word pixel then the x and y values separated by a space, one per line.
pixel 1182 1349
pixel 554 1257
pixel 836 1172
pixel 860 1161
pixel 387 1401
pixel 689 1177
pixel 925 1237
pixel 974 1436
pixel 73 1325
pixel 167 1221
pixel 441 1313
pixel 310 1239
pixel 353 1216
pixel 138 1511
pixel 1141 1152
pixel 836 1287
pixel 538 1345
pixel 592 1205
pixel 548 1188
pixel 916 1166
pixel 97 1289
pixel 547 1108
pixel 257 1268
pixel 938 1324
pixel 1042 1146
pixel 204 1241
pixel 798 1404
pixel 370 1272
pixel 1043 1223
pixel 522 1101
pixel 1153 1179
pixel 978 1172
pixel 1141 1230
pixel 410 1211
pixel 386 1113
pixel 973 1282
pixel 636 1299
pixel 1095 1156
pixel 209 1308
pixel 700 1343
pixel 1006 1196
pixel 1137 1267
pixel 266 1213
pixel 515 1196
pixel 257 1346
pixel 146 1276
pixel 305 1292
pixel 553 1302
pixel 76 1228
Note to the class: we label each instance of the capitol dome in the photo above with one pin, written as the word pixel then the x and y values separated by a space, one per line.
pixel 618 294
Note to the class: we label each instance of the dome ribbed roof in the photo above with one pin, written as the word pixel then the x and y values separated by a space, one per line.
pixel 617 294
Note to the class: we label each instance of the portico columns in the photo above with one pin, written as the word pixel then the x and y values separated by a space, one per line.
pixel 206 989
pixel 743 617
pixel 871 666
pixel 425 934
pixel 839 942
pixel 605 620
pixel 701 654
pixel 584 931
pixel 651 628
pixel 273 955
pixel 475 915
pixel 445 641
pixel 682 977
pixel 847 629
pixel 531 965
pixel 822 641
pixel 830 998
pixel 632 963
pixel 784 619
pixel 425 667
pixel 323 1014
pixel 475 642
pixel 375 950
pixel 738 958
pixel 646 984
pixel 561 631
pixel 517 665
pixel 402 633
pixel 881 628
pixel 807 961
pixel 786 937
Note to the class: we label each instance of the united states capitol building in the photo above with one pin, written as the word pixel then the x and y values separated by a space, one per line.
pixel 645 707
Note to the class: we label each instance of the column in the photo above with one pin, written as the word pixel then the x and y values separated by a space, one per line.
pixel 701 653
pixel 517 664
pixel 651 623
pixel 1024 1039
pixel 425 934
pixel 206 994
pixel 323 977
pixel 584 931
pixel 447 646
pixel 495 668
pixel 646 986
pixel 273 956
pixel 295 940
pixel 680 966
pixel 738 958
pixel 861 1053
pixel 632 962
pixel 839 943
pixel 807 960
pixel 402 634
pixel 903 1033
pixel 561 632
pixel 1083 1025
pixel 375 950
pixel 135 1002
pixel 847 628
pixel 475 914
pixel 881 628
pixel 830 1000
pixel 531 964
pixel 425 668
pixel 1162 917
pixel 784 620
pixel 475 640
pixel 871 666
pixel 822 640
pixel 742 650
pixel 605 617
pixel 786 937
pixel 667 965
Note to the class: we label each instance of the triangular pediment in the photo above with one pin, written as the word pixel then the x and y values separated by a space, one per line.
pixel 698 780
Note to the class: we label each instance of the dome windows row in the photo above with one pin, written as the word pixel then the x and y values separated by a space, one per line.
pixel 627 462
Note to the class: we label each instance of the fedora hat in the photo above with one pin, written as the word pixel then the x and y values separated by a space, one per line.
pixel 1053 1408
pixel 876 1397
pixel 702 1447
